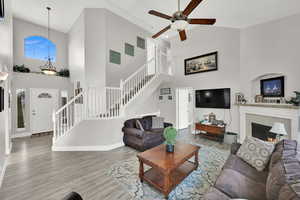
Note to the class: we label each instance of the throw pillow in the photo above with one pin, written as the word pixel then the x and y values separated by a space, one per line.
pixel 256 152
pixel 283 180
pixel 157 122
pixel 139 125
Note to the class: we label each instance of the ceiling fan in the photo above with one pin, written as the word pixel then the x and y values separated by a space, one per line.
pixel 180 19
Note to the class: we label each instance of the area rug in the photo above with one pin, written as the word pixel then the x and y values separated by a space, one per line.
pixel 211 160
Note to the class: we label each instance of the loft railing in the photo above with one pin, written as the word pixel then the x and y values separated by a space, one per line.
pixel 105 103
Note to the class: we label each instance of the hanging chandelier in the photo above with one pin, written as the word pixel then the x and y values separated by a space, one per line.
pixel 48 68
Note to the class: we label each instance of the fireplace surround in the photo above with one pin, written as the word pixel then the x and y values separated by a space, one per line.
pixel 267 115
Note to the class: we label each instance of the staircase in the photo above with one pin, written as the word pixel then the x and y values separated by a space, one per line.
pixel 103 103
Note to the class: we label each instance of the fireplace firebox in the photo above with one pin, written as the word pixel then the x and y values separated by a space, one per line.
pixel 262 132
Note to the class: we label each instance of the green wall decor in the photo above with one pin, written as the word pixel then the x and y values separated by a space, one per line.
pixel 141 43
pixel 129 49
pixel 114 57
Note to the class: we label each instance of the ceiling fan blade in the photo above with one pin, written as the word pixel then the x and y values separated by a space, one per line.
pixel 182 35
pixel 202 21
pixel 161 32
pixel 159 14
pixel 192 5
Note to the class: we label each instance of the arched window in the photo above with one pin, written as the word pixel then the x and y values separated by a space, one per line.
pixel 36 47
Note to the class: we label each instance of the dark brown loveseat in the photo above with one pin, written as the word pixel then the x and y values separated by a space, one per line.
pixel 142 140
pixel 279 181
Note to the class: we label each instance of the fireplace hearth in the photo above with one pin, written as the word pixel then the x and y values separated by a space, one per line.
pixel 262 132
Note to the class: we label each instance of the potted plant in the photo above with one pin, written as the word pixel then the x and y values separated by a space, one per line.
pixel 295 100
pixel 21 68
pixel 170 134
pixel 64 73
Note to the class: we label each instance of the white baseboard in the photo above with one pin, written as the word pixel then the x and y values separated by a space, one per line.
pixel 88 148
pixel 21 135
pixel 2 172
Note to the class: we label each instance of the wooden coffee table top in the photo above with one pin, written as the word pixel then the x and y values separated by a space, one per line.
pixel 159 158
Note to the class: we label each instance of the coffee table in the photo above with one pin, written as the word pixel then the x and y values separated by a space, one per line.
pixel 167 169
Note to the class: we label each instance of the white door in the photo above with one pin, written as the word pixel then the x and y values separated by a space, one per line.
pixel 191 104
pixel 151 54
pixel 184 107
pixel 42 104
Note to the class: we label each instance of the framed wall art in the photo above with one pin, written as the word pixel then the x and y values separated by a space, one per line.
pixel 200 64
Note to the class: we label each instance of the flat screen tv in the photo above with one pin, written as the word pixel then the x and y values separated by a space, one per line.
pixel 1 8
pixel 272 87
pixel 213 98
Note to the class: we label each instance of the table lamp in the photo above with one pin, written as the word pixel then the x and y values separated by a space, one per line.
pixel 278 129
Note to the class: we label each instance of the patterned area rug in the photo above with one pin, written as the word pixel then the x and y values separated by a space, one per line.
pixel 212 157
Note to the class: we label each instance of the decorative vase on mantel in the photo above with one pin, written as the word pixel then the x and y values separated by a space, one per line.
pixel 170 134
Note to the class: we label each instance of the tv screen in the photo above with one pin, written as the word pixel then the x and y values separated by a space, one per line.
pixel 1 8
pixel 214 98
pixel 272 87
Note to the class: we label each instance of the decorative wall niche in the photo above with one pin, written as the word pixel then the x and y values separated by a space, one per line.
pixel 129 49
pixel 141 43
pixel 255 83
pixel 114 57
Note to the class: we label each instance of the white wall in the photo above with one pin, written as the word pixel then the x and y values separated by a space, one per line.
pixel 101 133
pixel 76 50
pixel 94 33
pixel 27 81
pixel 245 55
pixel 271 47
pixel 202 40
pixel 6 55
pixel 167 107
pixel 95 47
pixel 118 32
pixel 23 29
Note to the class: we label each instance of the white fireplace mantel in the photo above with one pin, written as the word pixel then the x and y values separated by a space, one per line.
pixel 285 112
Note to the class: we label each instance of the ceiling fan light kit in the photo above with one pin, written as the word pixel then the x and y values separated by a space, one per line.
pixel 180 21
pixel 179 25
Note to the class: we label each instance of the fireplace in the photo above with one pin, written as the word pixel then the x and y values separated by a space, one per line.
pixel 262 132
pixel 267 115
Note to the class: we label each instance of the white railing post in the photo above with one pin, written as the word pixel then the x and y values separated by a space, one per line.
pixel 54 126
pixel 156 59
pixel 123 97
pixel 122 100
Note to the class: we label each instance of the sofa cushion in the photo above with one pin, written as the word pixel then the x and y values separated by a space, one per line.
pixel 237 185
pixel 215 194
pixel 234 148
pixel 131 123
pixel 284 180
pixel 235 163
pixel 287 193
pixel 283 149
pixel 146 122
pixel 256 152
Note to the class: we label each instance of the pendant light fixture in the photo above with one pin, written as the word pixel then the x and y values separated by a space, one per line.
pixel 48 68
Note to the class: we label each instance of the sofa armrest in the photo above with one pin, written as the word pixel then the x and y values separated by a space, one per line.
pixel 235 147
pixel 133 132
pixel 166 124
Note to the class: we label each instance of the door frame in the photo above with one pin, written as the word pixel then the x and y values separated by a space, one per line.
pixel 30 104
pixel 190 90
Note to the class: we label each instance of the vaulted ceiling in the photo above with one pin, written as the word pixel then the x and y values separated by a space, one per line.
pixel 229 13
